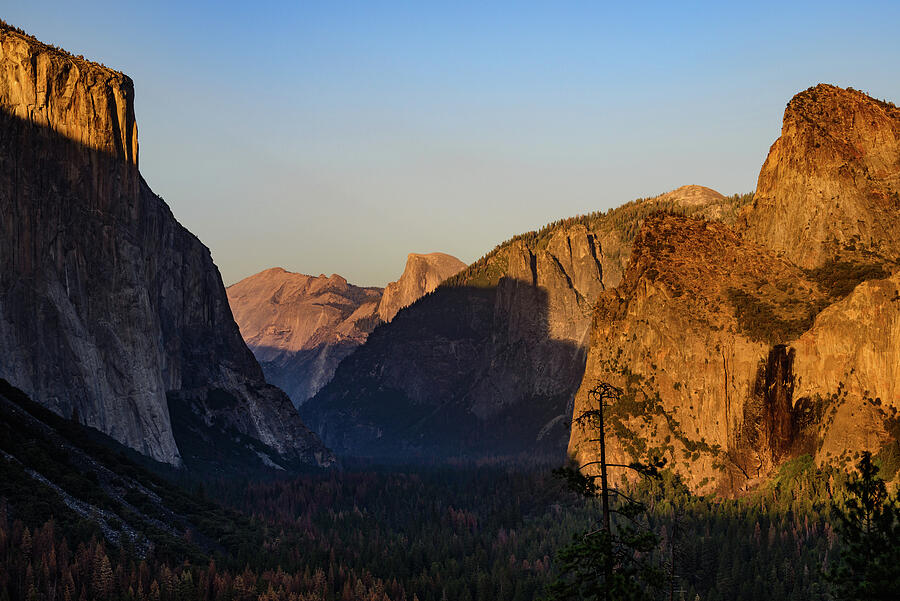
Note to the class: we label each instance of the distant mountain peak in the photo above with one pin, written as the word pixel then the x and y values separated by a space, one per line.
pixel 300 326
pixel 692 195
pixel 422 274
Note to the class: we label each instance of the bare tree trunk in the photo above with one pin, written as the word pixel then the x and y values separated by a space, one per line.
pixel 604 500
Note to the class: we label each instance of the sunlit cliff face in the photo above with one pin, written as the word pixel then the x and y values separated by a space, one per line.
pixel 741 347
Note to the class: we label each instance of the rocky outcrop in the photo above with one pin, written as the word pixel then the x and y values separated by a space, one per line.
pixel 82 101
pixel 847 367
pixel 488 363
pixel 423 273
pixel 300 327
pixel 738 349
pixel 830 186
pixel 110 311
pixel 692 337
pixel 616 229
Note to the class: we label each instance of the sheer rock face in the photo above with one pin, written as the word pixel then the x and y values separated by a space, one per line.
pixel 423 273
pixel 701 387
pixel 830 186
pixel 300 327
pixel 107 305
pixel 855 345
pixel 847 368
pixel 87 103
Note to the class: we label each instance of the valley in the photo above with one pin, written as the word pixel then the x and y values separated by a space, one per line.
pixel 300 437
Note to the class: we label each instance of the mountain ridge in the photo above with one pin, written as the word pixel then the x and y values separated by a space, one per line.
pixel 499 347
pixel 301 327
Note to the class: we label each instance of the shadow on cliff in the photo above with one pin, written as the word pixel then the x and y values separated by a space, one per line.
pixel 51 187
pixel 108 305
pixel 468 373
pixel 303 373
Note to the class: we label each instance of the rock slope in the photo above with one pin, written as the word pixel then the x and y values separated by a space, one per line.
pixel 489 362
pixel 110 311
pixel 300 327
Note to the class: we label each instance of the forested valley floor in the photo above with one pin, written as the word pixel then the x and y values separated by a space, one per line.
pixel 466 533
pixel 82 517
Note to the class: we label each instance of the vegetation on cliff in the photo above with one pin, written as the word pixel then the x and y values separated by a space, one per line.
pixel 868 522
pixel 624 221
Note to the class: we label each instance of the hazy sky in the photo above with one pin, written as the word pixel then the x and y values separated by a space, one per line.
pixel 337 137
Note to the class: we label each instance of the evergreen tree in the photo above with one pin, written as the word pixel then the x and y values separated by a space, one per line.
pixel 607 563
pixel 868 524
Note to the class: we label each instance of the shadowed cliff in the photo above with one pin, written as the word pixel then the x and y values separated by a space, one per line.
pixel 107 305
pixel 466 372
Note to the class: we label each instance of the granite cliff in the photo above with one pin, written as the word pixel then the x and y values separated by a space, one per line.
pixel 301 327
pixel 110 311
pixel 694 337
pixel 739 348
pixel 830 186
pixel 488 363
pixel 423 273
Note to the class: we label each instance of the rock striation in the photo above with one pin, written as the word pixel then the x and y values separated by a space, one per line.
pixel 489 362
pixel 110 311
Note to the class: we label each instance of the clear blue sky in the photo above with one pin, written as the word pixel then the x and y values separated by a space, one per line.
pixel 337 137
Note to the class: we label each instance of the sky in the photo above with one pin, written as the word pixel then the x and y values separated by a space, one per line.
pixel 337 137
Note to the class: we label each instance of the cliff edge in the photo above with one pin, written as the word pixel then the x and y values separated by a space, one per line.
pixel 110 311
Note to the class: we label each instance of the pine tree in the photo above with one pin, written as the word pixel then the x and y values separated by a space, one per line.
pixel 607 563
pixel 868 524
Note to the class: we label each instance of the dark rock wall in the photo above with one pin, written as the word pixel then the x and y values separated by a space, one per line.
pixel 106 302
